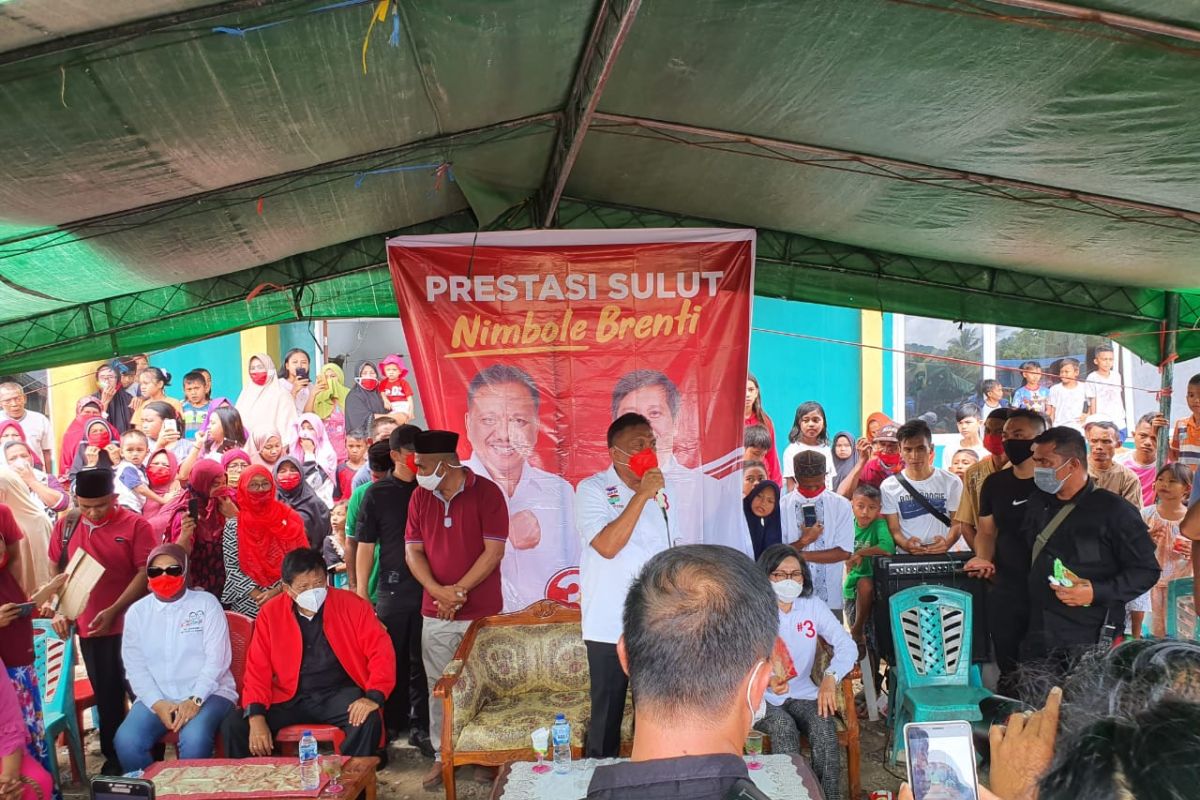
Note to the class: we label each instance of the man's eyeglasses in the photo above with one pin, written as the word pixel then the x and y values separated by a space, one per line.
pixel 174 571
pixel 798 575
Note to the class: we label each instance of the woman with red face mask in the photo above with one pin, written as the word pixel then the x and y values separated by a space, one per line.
pixel 297 493
pixel 162 473
pixel 197 520
pixel 363 403
pixel 267 530
pixel 177 655
pixel 264 402
pixel 94 447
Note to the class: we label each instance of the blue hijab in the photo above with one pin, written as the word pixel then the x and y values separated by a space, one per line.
pixel 764 531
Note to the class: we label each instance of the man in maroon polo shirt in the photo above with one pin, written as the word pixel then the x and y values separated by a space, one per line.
pixel 457 527
pixel 121 541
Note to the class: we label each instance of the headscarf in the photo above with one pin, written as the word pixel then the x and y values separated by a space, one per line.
pixel 875 416
pixel 32 520
pixel 267 528
pixel 336 390
pixel 258 440
pixel 80 461
pixel 266 406
pixel 842 465
pixel 159 515
pixel 305 501
pixel 73 435
pixel 210 523
pixel 233 455
pixel 13 424
pixel 362 406
pixel 764 531
pixel 323 452
pixel 180 555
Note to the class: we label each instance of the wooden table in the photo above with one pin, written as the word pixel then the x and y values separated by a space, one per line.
pixel 358 779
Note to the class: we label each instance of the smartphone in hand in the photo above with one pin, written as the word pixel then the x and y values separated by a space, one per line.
pixel 941 760
pixel 106 788
pixel 194 508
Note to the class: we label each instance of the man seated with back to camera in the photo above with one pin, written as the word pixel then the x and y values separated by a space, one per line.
pixel 318 656
pixel 692 605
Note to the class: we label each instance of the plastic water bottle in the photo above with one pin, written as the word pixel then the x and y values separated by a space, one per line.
pixel 310 771
pixel 561 736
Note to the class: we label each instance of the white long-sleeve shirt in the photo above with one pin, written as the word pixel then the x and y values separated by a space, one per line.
pixel 835 514
pixel 799 629
pixel 173 651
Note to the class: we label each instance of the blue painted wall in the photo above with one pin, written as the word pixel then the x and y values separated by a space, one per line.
pixel 221 356
pixel 791 370
pixel 297 334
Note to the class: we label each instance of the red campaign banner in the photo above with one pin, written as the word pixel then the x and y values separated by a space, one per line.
pixel 530 343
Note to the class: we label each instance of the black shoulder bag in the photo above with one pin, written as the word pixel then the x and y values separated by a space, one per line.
pixel 70 523
pixel 923 501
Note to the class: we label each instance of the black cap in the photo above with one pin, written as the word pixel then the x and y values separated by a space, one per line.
pixel 379 457
pixel 94 483
pixel 404 437
pixel 430 442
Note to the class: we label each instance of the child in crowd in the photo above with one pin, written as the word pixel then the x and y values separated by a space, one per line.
pixel 756 439
pixel 133 488
pixel 357 443
pixel 1070 402
pixel 961 461
pixel 1033 394
pixel 753 473
pixel 396 393
pixel 334 548
pixel 809 432
pixel 968 418
pixel 761 509
pixel 1106 387
pixel 1185 436
pixel 1142 459
pixel 196 404
pixel 1173 550
pixel 871 538
pixel 991 396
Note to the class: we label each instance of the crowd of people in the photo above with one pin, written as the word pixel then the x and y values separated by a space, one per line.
pixel 362 547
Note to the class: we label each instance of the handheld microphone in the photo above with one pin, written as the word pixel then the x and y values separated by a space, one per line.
pixel 660 497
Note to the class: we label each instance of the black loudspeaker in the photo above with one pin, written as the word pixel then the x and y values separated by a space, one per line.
pixel 896 573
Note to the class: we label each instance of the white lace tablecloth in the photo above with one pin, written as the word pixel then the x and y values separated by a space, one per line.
pixel 777 779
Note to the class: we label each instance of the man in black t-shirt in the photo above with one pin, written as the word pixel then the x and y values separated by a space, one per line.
pixel 381 523
pixel 1001 551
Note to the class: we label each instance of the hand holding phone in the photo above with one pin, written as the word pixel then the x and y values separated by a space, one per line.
pixel 941 760
pixel 194 508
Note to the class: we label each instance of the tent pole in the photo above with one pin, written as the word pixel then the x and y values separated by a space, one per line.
pixel 1137 24
pixel 1167 355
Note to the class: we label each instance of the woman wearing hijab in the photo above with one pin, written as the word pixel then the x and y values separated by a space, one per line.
pixel 308 444
pixel 162 475
pixel 329 403
pixel 10 432
pixel 295 491
pixel 116 401
pixel 266 448
pixel 238 587
pixel 845 456
pixel 207 496
pixel 45 489
pixel 265 403
pixel 98 434
pixel 87 408
pixel 34 564
pixel 364 403
pixel 761 508
pixel 177 654
pixel 267 530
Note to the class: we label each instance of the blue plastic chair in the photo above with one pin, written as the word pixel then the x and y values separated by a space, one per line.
pixel 55 662
pixel 931 633
pixel 1181 609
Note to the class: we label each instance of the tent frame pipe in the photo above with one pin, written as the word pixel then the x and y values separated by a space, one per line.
pixel 1167 355
pixel 1108 18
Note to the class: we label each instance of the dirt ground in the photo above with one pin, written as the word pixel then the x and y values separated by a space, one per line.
pixel 401 779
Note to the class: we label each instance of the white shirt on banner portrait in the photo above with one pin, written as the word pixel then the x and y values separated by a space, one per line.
pixel 526 573
pixel 599 500
pixel 834 513
pixel 705 510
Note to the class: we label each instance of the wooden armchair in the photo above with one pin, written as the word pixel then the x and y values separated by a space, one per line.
pixel 511 674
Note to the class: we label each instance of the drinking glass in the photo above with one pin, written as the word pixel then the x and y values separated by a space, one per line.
pixel 332 767
pixel 541 745
pixel 754 748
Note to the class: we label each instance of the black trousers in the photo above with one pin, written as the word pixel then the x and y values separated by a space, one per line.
pixel 330 708
pixel 408 705
pixel 106 671
pixel 1008 621
pixel 609 685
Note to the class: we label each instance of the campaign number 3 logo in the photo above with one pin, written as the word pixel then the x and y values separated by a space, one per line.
pixel 563 587
pixel 806 627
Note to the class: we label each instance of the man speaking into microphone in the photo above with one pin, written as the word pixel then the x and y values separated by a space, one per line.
pixel 624 517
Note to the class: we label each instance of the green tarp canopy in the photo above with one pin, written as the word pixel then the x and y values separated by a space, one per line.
pixel 175 169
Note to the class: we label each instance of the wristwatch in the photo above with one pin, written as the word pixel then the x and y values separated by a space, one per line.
pixel 830 673
pixel 199 701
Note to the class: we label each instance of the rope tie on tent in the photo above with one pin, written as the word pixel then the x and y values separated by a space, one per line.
pixel 439 170
pixel 380 16
pixel 257 290
pixel 232 31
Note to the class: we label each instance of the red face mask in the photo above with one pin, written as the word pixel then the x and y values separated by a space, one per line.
pixel 410 461
pixel 258 378
pixel 810 493
pixel 258 501
pixel 158 474
pixel 642 462
pixel 889 460
pixel 994 443
pixel 370 384
pixel 288 481
pixel 99 437
pixel 166 586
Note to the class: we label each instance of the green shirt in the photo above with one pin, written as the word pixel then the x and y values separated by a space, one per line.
pixel 355 502
pixel 874 535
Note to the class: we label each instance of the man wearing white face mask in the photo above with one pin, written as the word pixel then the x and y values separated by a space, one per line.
pixel 318 656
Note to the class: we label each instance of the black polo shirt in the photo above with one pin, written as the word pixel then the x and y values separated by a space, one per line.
pixel 687 778
pixel 382 520
pixel 1004 497
pixel 1104 540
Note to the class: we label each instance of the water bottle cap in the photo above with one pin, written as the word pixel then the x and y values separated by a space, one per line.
pixel 308 733
pixel 560 718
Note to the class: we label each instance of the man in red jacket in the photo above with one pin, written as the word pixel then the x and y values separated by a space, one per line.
pixel 318 656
